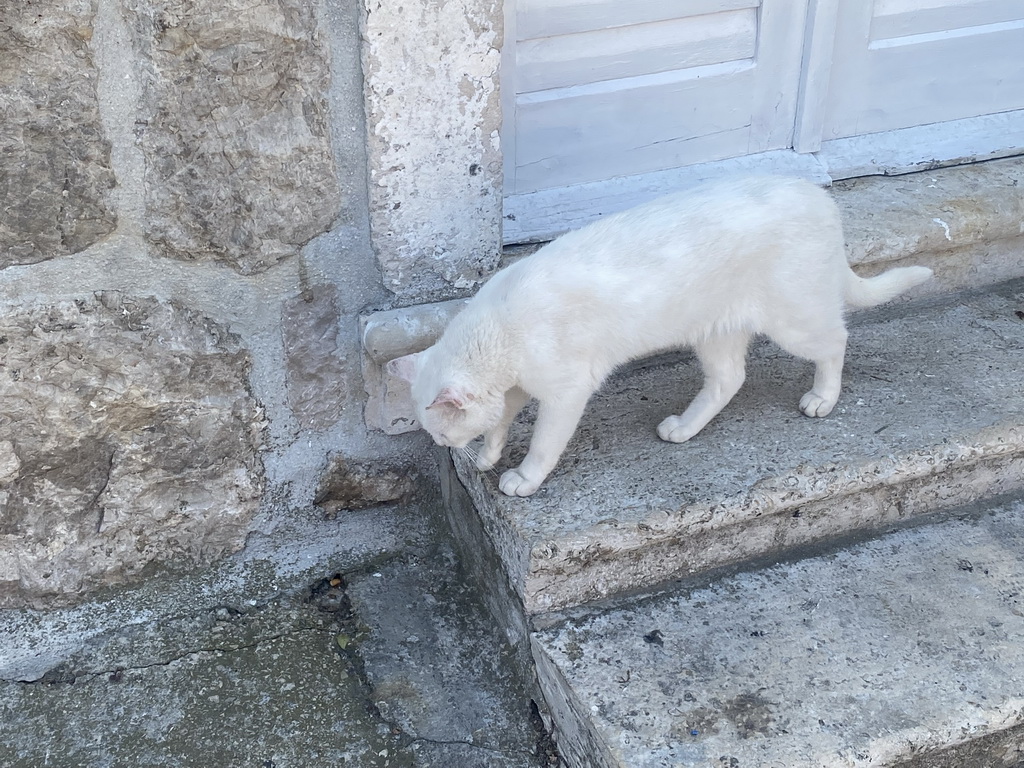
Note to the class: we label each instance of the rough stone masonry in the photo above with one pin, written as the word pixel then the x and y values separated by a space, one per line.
pixel 233 128
pixel 163 163
pixel 55 161
pixel 127 435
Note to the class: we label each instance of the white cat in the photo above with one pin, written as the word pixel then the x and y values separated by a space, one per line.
pixel 707 268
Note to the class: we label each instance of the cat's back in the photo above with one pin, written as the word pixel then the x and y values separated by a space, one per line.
pixel 724 248
pixel 712 226
pixel 664 273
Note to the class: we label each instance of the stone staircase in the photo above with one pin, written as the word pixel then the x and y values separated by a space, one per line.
pixel 905 650
pixel 785 592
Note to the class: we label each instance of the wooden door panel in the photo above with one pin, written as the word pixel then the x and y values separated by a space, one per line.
pixel 599 133
pixel 903 63
pixel 603 89
pixel 609 54
pixel 550 18
pixel 902 18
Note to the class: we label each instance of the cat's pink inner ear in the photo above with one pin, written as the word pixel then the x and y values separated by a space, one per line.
pixel 403 367
pixel 453 397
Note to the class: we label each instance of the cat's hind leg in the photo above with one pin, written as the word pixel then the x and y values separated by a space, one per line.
pixel 494 438
pixel 723 358
pixel 827 348
pixel 828 380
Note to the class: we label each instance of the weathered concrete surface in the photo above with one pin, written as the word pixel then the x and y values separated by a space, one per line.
pixel 426 623
pixel 233 127
pixel 55 161
pixel 127 436
pixel 236 694
pixel 261 659
pixel 433 116
pixel 904 651
pixel 931 417
pixel 290 557
pixel 887 221
pixel 315 356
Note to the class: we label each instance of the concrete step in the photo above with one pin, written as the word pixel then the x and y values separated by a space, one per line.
pixel 931 418
pixel 907 650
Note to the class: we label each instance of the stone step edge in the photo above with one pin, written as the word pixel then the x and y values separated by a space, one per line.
pixel 577 743
pixel 775 517
pixel 966 222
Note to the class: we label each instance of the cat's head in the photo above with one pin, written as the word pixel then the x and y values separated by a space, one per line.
pixel 454 412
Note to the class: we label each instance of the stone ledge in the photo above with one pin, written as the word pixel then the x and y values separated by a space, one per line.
pixel 930 418
pixel 967 223
pixel 931 212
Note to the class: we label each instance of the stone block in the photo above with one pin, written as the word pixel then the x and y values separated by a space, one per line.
pixel 889 219
pixel 55 161
pixel 391 334
pixel 903 652
pixel 233 128
pixel 433 117
pixel 128 437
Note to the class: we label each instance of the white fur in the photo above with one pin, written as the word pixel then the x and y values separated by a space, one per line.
pixel 707 269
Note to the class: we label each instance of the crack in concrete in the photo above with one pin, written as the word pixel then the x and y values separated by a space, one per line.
pixel 456 742
pixel 1008 343
pixel 56 676
pixel 412 738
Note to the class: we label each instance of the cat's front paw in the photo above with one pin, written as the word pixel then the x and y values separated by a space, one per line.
pixel 813 404
pixel 514 484
pixel 675 429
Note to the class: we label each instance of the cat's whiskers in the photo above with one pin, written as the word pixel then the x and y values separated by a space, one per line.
pixel 473 454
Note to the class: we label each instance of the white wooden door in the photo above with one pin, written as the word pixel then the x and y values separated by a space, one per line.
pixel 922 80
pixel 606 100
pixel 611 102
pixel 901 63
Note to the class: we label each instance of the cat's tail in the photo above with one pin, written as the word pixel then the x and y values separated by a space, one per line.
pixel 869 291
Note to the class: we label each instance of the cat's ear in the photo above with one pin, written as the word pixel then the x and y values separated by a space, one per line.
pixel 403 367
pixel 453 396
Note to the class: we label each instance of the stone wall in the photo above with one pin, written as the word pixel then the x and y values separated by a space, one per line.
pixel 187 243
pixel 127 434
pixel 56 160
pixel 233 129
